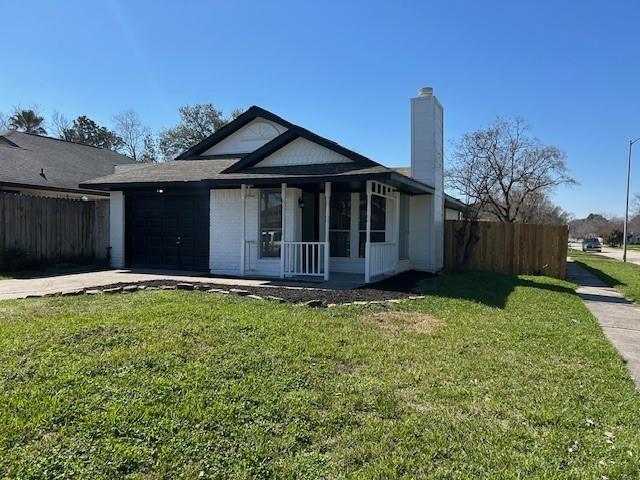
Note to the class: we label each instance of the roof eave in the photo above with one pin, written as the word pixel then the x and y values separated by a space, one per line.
pixel 399 181
pixel 81 190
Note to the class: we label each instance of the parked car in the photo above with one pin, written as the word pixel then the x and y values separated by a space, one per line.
pixel 591 245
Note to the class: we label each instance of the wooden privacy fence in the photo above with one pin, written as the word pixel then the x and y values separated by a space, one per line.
pixel 54 229
pixel 510 248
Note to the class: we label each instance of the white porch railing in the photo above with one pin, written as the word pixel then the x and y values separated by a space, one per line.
pixel 250 255
pixel 383 258
pixel 304 258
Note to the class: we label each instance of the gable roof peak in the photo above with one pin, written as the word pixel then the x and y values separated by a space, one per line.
pixel 233 126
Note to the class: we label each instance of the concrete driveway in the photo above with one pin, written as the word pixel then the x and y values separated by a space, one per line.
pixel 61 283
pixel 21 288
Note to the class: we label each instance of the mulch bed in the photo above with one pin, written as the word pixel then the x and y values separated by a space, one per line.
pixel 396 288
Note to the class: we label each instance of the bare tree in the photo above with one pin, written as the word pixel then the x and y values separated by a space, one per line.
pixel 539 208
pixel 500 170
pixel 635 204
pixel 60 124
pixel 130 129
pixel 504 174
pixel 4 122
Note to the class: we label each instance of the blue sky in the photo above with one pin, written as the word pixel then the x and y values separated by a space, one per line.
pixel 347 70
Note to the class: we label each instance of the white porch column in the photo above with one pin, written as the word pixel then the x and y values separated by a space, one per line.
pixel 116 230
pixel 396 226
pixel 243 237
pixel 367 244
pixel 327 223
pixel 283 196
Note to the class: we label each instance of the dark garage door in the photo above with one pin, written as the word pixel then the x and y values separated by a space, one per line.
pixel 167 231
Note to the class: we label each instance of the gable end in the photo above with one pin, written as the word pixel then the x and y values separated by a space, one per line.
pixel 230 128
pixel 341 154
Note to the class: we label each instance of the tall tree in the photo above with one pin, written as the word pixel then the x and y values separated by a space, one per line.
pixel 86 131
pixel 501 170
pixel 149 150
pixel 27 121
pixel 197 122
pixel 595 224
pixel 132 133
pixel 539 208
pixel 4 122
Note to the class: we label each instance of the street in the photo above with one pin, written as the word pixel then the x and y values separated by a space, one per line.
pixel 633 256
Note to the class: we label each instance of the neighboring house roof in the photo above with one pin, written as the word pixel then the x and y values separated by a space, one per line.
pixel 229 169
pixel 34 161
pixel 449 201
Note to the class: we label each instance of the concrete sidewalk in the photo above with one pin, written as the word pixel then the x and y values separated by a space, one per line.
pixel 618 317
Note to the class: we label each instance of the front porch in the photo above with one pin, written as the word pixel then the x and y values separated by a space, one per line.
pixel 343 233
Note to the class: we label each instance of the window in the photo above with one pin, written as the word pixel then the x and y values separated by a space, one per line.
pixel 404 227
pixel 340 224
pixel 270 223
pixel 378 221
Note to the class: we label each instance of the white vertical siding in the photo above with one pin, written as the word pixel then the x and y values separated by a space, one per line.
pixel 419 239
pixel 116 228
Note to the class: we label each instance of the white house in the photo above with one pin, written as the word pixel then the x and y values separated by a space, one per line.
pixel 263 197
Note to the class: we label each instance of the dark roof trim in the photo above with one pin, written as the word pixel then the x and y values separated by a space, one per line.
pixel 232 127
pixel 454 204
pixel 289 136
pixel 219 156
pixel 6 141
pixel 86 191
pixel 396 180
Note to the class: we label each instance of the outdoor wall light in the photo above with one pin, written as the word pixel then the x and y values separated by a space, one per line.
pixel 160 190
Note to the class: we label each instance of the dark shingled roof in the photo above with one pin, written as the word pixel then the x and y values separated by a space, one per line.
pixel 449 201
pixel 35 161
pixel 211 173
pixel 193 168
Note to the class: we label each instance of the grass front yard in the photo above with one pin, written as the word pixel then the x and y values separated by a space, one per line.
pixel 488 377
pixel 624 277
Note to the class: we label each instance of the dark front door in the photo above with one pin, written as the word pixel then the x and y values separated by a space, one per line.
pixel 310 217
pixel 310 231
pixel 167 231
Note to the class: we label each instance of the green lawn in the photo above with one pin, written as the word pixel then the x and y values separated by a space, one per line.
pixel 625 277
pixel 488 377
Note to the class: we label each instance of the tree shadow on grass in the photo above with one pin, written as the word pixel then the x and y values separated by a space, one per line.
pixel 608 279
pixel 490 289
